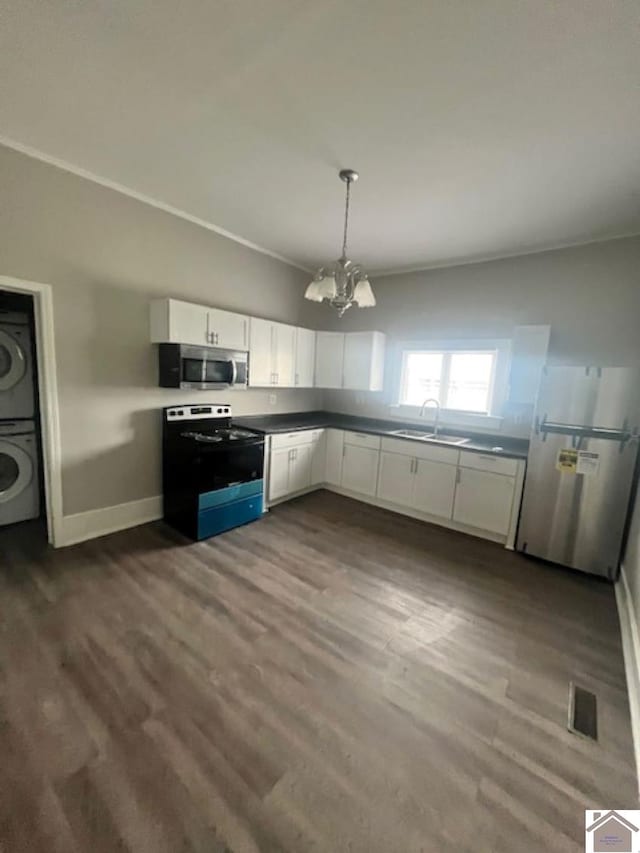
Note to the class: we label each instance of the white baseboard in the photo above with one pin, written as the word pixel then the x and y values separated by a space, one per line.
pixel 450 524
pixel 99 522
pixel 631 652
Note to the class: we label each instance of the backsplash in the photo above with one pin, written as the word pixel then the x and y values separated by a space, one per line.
pixel 516 422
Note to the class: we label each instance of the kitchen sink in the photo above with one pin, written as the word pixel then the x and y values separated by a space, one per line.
pixel 413 433
pixel 442 437
pixel 448 439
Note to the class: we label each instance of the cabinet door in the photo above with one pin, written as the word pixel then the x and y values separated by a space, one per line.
pixel 228 330
pixel 300 468
pixel 187 323
pixel 360 469
pixel 261 370
pixel 329 359
pixel 434 487
pixel 305 358
pixel 318 458
pixel 284 338
pixel 484 500
pixel 395 478
pixel 335 445
pixel 279 474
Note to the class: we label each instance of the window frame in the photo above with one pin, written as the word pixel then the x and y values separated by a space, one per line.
pixel 499 387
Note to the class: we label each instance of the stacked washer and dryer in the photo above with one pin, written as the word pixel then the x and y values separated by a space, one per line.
pixel 19 474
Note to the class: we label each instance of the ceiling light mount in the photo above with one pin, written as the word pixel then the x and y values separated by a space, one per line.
pixel 343 283
pixel 349 176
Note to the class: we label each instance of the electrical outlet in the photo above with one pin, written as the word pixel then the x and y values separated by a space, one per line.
pixel 272 399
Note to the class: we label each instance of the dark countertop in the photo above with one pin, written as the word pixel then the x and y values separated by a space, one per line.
pixel 515 448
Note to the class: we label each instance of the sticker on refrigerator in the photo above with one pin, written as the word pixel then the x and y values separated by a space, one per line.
pixel 588 462
pixel 567 461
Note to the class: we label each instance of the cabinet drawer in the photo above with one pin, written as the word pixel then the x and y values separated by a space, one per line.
pixel 293 439
pixel 362 439
pixel 421 450
pixel 488 462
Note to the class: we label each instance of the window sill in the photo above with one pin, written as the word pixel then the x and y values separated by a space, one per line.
pixel 448 417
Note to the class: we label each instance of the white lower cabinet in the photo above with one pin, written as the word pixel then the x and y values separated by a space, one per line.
pixel 318 457
pixel 279 473
pixel 334 449
pixel 435 487
pixel 359 469
pixel 395 479
pixel 419 484
pixel 296 462
pixel 472 490
pixel 300 468
pixel 484 500
pixel 360 458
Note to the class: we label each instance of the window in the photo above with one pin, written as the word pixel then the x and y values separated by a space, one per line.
pixel 462 379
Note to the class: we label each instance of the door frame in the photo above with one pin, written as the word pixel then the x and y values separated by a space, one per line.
pixel 48 392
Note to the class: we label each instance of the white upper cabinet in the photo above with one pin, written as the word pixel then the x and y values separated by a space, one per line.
pixel 305 358
pixel 271 354
pixel 363 361
pixel 177 322
pixel 354 360
pixel 284 359
pixel 329 359
pixel 227 330
pixel 261 371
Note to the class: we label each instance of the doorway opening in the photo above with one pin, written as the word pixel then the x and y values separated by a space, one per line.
pixel 22 496
pixel 30 469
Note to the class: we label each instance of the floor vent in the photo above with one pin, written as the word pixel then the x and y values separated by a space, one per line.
pixel 583 712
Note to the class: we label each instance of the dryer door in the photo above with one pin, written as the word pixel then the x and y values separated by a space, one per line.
pixel 16 470
pixel 13 361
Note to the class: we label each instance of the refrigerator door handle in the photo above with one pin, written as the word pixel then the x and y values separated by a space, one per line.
pixel 621 435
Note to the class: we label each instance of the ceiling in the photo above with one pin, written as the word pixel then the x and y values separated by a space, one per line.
pixel 480 128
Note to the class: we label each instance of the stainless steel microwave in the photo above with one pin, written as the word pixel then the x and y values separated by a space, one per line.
pixel 204 368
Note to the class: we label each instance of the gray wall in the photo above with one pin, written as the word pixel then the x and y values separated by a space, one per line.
pixel 589 295
pixel 106 256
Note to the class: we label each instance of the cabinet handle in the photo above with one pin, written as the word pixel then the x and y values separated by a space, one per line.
pixel 458 475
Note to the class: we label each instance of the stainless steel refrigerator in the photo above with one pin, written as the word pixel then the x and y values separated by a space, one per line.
pixel 581 466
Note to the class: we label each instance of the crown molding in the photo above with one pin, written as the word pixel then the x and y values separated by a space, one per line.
pixel 499 256
pixel 142 197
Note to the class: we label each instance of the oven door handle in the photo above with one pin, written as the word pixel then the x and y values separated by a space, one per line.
pixel 234 371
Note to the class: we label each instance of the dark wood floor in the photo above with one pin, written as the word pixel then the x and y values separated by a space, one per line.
pixel 330 678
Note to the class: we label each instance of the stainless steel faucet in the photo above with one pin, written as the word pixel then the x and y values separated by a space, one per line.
pixel 436 425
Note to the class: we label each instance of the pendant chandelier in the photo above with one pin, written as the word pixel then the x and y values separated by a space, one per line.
pixel 343 283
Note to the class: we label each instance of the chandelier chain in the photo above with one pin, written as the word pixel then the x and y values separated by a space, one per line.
pixel 346 220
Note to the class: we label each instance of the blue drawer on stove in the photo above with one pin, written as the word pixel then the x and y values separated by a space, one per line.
pixel 217 519
pixel 231 493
